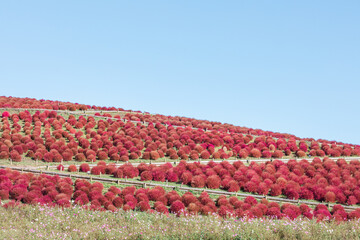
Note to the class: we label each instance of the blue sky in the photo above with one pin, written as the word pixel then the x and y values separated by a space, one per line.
pixel 275 65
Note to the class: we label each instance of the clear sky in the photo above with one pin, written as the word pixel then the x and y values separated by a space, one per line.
pixel 285 66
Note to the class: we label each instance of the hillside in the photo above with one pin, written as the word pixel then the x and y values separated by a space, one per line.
pixel 89 158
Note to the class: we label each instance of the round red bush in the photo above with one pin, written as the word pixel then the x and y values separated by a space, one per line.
pixel 198 181
pixel 213 182
pixel 177 207
pixel 72 168
pixel 84 167
pixel 146 176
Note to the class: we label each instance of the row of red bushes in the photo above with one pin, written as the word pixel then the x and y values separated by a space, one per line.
pixel 64 139
pixel 325 180
pixel 53 190
pixel 13 102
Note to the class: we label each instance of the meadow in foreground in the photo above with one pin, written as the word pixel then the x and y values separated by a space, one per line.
pixel 42 222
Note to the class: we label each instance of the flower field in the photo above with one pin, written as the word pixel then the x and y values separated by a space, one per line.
pixel 26 188
pixel 50 136
pixel 327 180
pixel 144 147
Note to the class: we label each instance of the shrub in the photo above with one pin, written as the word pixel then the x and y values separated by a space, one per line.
pixel 124 158
pixel 110 196
pixel 330 197
pixel 115 157
pixel 277 154
pixel 158 174
pixel 4 155
pixel 233 186
pixel 186 177
pixel 72 168
pixel 250 186
pixel 84 167
pixel 15 156
pixel 161 208
pixel 262 189
pixel 102 155
pixel 255 153
pixel 146 176
pixel 300 153
pixel 154 194
pixel 306 193
pixel 60 167
pixel 292 193
pixel 198 181
pixel 129 171
pixel 351 200
pixel 154 155
pixel 213 182
pixel 171 176
pixel 143 206
pixel 96 170
pixel 274 212
pixel 243 153
pixel 250 200
pixel 266 154
pixel 205 154
pixel 177 207
pixel 17 192
pixel 118 202
pixel 80 157
pixel 291 212
pixel 4 194
pixel 118 173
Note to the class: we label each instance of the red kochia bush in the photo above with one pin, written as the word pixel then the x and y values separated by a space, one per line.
pixel 84 167
pixel 351 200
pixel 233 186
pixel 250 200
pixel 158 174
pixel 186 177
pixel 154 155
pixel 102 155
pixel 15 156
pixel 18 192
pixel 146 176
pixel 72 168
pixel 4 194
pixel 300 153
pixel 118 202
pixel 198 181
pixel 161 208
pixel 292 194
pixel 255 153
pixel 5 114
pixel 96 170
pixel 274 212
pixel 275 190
pixel 205 154
pixel 129 171
pixel 330 197
pixel 60 167
pixel 171 176
pixel 118 173
pixel 213 182
pixel 177 207
pixel 143 206
pixel 154 194
pixel 80 157
pixel 278 154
